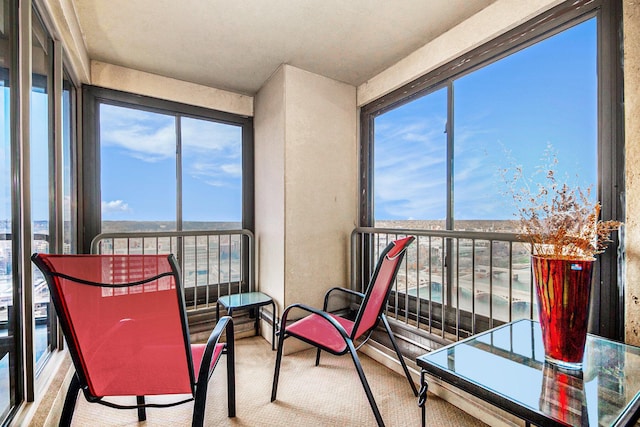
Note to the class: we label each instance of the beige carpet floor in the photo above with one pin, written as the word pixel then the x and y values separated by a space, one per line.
pixel 327 395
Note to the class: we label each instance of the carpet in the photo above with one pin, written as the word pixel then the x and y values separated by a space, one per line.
pixel 327 395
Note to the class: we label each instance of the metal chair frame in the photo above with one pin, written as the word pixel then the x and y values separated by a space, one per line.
pixel 349 339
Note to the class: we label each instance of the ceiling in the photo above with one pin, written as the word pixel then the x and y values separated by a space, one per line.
pixel 237 44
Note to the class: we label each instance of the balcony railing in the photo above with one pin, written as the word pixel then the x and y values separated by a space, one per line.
pixel 213 263
pixel 452 284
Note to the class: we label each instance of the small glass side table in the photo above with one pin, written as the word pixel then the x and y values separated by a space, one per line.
pixel 505 366
pixel 249 300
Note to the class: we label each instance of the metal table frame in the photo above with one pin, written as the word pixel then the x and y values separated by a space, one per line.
pixel 248 301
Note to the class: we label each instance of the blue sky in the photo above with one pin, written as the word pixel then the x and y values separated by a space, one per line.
pixel 39 152
pixel 506 114
pixel 138 167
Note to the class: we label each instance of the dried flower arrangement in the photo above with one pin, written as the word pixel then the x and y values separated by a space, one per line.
pixel 558 220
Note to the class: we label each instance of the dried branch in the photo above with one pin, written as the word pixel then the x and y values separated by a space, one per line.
pixel 558 220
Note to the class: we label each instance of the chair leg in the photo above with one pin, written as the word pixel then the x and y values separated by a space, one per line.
pixel 199 404
pixel 142 413
pixel 400 358
pixel 365 384
pixel 318 357
pixel 276 373
pixel 231 374
pixel 70 402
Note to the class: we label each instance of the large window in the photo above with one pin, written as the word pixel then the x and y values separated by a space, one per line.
pixel 164 166
pixel 438 159
pixel 41 150
pixel 36 146
pixel 434 153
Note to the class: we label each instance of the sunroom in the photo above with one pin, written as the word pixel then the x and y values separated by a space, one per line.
pixel 279 146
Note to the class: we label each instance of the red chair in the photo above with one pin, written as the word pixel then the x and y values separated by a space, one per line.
pixel 125 323
pixel 336 335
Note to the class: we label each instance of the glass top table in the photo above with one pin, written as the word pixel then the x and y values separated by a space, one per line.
pixel 505 367
pixel 249 300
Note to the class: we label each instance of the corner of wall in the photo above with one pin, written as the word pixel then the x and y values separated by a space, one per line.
pixel 631 19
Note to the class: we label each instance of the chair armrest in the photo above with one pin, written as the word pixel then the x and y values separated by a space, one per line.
pixel 345 290
pixel 225 324
pixel 318 312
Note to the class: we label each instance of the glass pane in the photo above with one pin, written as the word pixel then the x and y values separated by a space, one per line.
pixel 410 173
pixel 68 214
pixel 138 170
pixel 508 113
pixel 211 175
pixel 40 137
pixel 7 320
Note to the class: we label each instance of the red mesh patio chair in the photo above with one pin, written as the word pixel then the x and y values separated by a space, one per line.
pixel 125 323
pixel 337 335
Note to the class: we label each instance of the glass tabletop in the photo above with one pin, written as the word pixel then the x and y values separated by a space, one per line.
pixel 246 299
pixel 505 366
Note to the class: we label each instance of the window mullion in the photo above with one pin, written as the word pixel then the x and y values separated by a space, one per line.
pixel 56 175
pixel 449 210
pixel 450 140
pixel 178 173
pixel 23 211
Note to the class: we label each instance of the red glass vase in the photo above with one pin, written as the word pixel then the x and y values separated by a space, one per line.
pixel 563 287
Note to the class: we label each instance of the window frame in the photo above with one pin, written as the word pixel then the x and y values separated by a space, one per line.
pixel 607 315
pixel 92 96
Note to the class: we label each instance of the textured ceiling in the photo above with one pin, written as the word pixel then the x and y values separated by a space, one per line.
pixel 237 44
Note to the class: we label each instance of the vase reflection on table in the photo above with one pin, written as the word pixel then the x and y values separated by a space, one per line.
pixel 563 396
pixel 563 288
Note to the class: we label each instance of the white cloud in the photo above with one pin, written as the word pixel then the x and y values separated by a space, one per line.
pixel 410 175
pixel 201 136
pixel 143 135
pixel 234 169
pixel 214 173
pixel 211 151
pixel 115 206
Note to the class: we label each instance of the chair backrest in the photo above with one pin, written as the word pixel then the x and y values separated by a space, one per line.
pixel 380 286
pixel 124 320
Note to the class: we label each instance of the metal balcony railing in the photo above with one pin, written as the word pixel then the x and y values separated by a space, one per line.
pixel 452 284
pixel 212 263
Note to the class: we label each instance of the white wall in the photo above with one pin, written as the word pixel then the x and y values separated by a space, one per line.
pixel 269 155
pixel 306 184
pixel 631 16
pixel 321 184
pixel 133 81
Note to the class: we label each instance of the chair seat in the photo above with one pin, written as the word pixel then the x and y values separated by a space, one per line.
pixel 318 330
pixel 197 351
